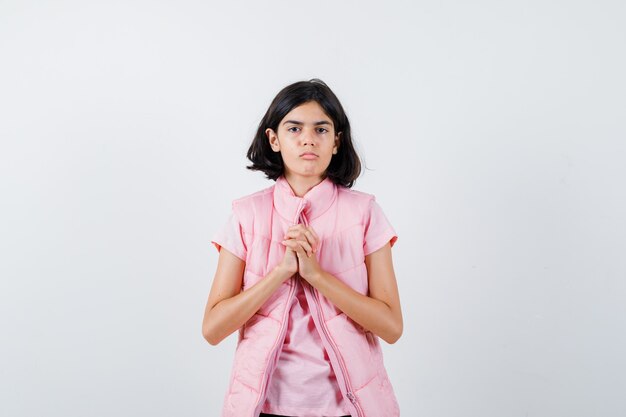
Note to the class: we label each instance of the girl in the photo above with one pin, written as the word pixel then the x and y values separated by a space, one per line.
pixel 305 272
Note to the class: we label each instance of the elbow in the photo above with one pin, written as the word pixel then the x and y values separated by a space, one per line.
pixel 210 336
pixel 212 341
pixel 394 336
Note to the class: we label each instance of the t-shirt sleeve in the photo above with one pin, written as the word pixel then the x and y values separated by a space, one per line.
pixel 231 237
pixel 378 230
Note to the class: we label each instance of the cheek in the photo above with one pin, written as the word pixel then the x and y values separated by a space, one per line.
pixel 289 154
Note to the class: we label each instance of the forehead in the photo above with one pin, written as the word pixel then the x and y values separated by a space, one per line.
pixel 309 112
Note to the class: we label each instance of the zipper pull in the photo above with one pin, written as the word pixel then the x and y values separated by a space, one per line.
pixel 351 397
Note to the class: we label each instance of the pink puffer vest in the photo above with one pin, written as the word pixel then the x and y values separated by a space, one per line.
pixel 350 225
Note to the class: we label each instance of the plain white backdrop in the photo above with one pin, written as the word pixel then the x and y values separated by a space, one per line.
pixel 494 137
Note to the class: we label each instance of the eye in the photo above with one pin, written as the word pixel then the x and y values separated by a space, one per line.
pixel 292 127
pixel 322 130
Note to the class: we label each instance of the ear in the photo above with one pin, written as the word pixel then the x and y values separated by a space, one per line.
pixel 273 139
pixel 336 147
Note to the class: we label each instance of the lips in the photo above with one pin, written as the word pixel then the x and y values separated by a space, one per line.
pixel 308 155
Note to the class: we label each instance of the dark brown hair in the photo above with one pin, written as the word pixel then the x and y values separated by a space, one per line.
pixel 344 167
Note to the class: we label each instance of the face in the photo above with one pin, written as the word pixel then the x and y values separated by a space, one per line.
pixel 306 140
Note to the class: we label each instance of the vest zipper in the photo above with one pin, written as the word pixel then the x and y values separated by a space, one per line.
pixel 281 338
pixel 275 349
pixel 342 365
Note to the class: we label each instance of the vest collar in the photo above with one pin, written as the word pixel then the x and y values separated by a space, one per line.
pixel 313 204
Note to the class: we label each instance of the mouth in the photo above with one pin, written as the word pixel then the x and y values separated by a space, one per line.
pixel 308 155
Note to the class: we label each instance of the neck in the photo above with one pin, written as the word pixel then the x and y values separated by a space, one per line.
pixel 301 185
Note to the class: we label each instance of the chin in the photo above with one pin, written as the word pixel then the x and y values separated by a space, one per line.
pixel 309 174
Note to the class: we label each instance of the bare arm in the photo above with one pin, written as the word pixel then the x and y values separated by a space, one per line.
pixel 228 308
pixel 379 311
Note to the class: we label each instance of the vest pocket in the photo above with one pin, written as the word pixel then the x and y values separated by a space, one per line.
pixel 353 345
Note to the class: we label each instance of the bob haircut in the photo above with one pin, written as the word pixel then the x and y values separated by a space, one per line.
pixel 345 165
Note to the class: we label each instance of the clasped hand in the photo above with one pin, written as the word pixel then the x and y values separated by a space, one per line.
pixel 302 243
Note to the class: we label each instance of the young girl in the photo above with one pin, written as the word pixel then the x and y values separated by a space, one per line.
pixel 305 272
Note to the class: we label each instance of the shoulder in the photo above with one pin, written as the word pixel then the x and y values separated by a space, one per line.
pixel 255 196
pixel 356 199
pixel 250 203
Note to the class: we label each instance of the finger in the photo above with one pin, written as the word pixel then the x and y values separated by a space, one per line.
pixel 293 245
pixel 298 231
pixel 304 235
pixel 298 226
pixel 289 245
pixel 307 247
pixel 312 238
pixel 298 246
pixel 314 233
pixel 294 234
pixel 294 230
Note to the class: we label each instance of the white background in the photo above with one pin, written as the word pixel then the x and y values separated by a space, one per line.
pixel 495 140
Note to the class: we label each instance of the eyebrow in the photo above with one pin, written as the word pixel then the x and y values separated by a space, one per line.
pixel 296 122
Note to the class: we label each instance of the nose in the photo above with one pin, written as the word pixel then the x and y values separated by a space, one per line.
pixel 308 137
